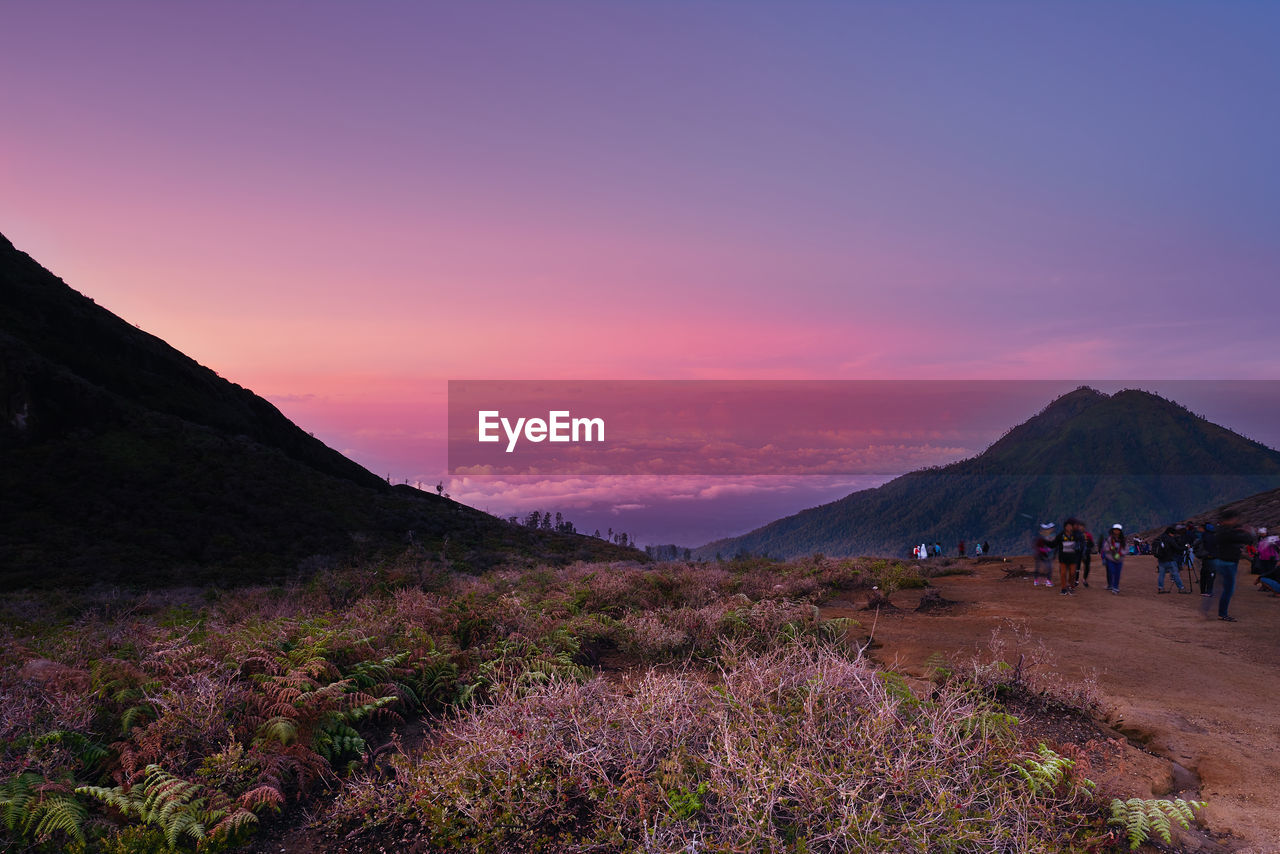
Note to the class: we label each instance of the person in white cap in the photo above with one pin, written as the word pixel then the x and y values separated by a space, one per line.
pixel 1113 550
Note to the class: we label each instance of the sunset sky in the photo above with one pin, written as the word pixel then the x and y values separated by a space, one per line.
pixel 345 205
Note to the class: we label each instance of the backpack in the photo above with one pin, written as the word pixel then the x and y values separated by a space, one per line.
pixel 1166 549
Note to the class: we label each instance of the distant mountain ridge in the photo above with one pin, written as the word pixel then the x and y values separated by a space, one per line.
pixel 1132 457
pixel 123 460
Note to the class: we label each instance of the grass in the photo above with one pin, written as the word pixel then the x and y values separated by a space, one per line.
pixel 410 704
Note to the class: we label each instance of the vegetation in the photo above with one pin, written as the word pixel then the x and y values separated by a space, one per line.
pixel 1140 817
pixel 124 461
pixel 593 708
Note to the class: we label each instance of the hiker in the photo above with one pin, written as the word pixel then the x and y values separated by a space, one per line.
pixel 1269 579
pixel 1206 548
pixel 1113 552
pixel 1186 537
pixel 1069 547
pixel 1268 551
pixel 1231 540
pixel 937 549
pixel 986 547
pixel 1042 550
pixel 1089 548
pixel 960 549
pixel 1168 551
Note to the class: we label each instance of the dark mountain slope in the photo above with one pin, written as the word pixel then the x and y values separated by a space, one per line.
pixel 1132 457
pixel 122 460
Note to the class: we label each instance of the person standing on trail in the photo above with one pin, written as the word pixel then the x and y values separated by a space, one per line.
pixel 1089 548
pixel 960 549
pixel 1168 552
pixel 1042 551
pixel 1069 547
pixel 986 547
pixel 1206 548
pixel 1113 551
pixel 1232 538
pixel 1268 551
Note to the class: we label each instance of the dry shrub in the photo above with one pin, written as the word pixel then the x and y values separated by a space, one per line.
pixel 795 748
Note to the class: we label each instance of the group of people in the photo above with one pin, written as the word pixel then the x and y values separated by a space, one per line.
pixel 925 551
pixel 1220 548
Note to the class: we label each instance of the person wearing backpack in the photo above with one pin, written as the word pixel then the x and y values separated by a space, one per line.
pixel 1231 539
pixel 1113 551
pixel 1206 548
pixel 1069 546
pixel 1168 551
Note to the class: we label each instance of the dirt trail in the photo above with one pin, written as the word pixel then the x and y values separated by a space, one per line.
pixel 1198 691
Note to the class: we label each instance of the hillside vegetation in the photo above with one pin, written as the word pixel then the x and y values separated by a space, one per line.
pixel 1132 457
pixel 124 461
pixel 590 708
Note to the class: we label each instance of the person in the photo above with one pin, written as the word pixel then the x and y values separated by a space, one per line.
pixel 1113 552
pixel 960 549
pixel 1043 553
pixel 937 549
pixel 1268 551
pixel 1168 551
pixel 1186 537
pixel 1231 538
pixel 1269 580
pixel 1089 548
pixel 924 551
pixel 1069 547
pixel 1206 549
pixel 986 547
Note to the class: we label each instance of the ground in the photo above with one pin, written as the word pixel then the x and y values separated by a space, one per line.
pixel 1198 695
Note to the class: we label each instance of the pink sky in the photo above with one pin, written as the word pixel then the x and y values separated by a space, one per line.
pixel 345 206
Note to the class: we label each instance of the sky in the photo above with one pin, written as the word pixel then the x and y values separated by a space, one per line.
pixel 343 206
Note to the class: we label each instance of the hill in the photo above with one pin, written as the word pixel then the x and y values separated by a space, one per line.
pixel 1259 511
pixel 124 461
pixel 1132 457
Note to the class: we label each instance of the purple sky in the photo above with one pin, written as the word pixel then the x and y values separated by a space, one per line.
pixel 343 206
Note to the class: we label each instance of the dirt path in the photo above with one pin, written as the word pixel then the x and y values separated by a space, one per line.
pixel 1198 691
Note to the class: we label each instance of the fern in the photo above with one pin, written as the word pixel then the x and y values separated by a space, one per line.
pixel 180 809
pixel 1141 817
pixel 1048 772
pixel 35 808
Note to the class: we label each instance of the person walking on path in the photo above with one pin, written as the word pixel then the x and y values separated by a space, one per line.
pixel 1069 547
pixel 1231 539
pixel 1043 553
pixel 1168 551
pixel 1113 551
pixel 1206 550
pixel 1089 548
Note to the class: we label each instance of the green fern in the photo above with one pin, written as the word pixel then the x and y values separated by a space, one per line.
pixel 1048 772
pixel 1140 817
pixel 35 808
pixel 181 809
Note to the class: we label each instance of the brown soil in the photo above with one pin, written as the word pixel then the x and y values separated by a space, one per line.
pixel 1198 696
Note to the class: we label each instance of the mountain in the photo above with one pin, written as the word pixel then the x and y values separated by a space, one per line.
pixel 1132 457
pixel 123 461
